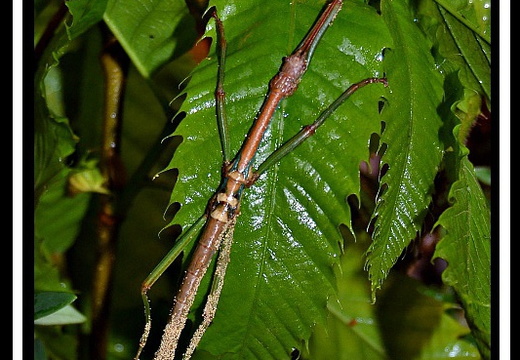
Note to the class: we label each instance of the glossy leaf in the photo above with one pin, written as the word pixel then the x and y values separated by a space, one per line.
pixel 414 151
pixel 460 54
pixel 467 249
pixel 287 237
pixel 476 15
pixel 471 50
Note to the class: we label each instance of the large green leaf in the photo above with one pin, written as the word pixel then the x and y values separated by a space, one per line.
pixel 57 219
pixel 467 249
pixel 412 135
pixel 287 236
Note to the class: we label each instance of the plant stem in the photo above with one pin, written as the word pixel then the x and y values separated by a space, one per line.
pixel 115 65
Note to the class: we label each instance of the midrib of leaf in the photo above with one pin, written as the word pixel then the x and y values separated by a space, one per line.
pixel 412 124
pixel 287 236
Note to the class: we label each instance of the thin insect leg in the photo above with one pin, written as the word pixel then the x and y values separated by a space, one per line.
pixel 309 130
pixel 216 289
pixel 220 95
pixel 170 257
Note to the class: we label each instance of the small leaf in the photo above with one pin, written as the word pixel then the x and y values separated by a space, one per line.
pixel 64 316
pixel 85 14
pixel 58 217
pixel 483 174
pixel 87 178
pixel 467 110
pixel 46 303
pixel 151 31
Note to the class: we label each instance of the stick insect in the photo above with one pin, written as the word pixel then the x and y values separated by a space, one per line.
pixel 214 228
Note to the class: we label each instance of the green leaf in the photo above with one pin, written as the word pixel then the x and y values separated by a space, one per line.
pixel 287 236
pixel 46 303
pixel 460 54
pixel 414 150
pixel 54 343
pixel 416 324
pixel 64 316
pixel 422 327
pixel 85 14
pixel 449 35
pixel 467 249
pixel 472 51
pixel 152 32
pixel 352 328
pixel 57 218
pixel 483 174
pixel 476 15
pixel 54 140
pixel 467 110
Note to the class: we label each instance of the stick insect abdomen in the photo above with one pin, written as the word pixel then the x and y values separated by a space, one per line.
pixel 223 209
pixel 206 248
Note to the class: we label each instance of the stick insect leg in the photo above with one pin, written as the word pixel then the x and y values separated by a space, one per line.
pixel 170 257
pixel 309 130
pixel 210 308
pixel 220 95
